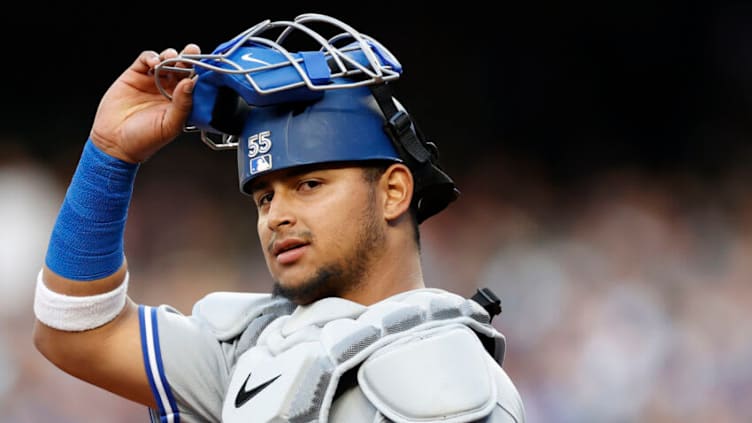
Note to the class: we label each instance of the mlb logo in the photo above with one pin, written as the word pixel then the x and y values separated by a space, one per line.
pixel 261 163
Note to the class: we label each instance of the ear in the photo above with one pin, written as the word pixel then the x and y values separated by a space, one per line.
pixel 397 185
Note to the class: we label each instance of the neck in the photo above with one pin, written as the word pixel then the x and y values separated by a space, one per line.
pixel 396 269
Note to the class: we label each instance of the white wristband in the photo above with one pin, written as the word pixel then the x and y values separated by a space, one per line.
pixel 73 314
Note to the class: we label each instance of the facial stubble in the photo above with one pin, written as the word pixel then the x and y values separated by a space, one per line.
pixel 349 273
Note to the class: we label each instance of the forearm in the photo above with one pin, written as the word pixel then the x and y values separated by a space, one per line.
pixel 86 243
pixel 86 325
pixel 81 286
pixel 85 256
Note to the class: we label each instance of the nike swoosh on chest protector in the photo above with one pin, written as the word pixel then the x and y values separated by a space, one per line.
pixel 245 396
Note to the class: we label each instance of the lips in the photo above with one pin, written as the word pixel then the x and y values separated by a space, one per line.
pixel 285 245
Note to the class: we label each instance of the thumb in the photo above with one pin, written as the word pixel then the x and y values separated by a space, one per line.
pixel 180 106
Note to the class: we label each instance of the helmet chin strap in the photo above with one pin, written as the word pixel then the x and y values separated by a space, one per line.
pixel 434 189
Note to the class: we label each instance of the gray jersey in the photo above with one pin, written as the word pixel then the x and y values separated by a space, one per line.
pixel 242 357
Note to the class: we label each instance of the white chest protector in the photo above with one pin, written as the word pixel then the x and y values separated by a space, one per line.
pixel 415 357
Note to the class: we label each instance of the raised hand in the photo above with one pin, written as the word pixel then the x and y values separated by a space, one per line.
pixel 134 119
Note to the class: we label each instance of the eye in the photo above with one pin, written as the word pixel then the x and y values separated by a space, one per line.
pixel 264 199
pixel 309 184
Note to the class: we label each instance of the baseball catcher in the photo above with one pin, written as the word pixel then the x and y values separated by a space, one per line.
pixel 341 177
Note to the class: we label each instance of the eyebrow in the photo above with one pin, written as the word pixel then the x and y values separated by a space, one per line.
pixel 259 185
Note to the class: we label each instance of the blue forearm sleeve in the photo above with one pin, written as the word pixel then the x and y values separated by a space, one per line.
pixel 87 239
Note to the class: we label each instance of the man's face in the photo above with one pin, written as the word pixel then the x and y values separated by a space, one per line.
pixel 318 228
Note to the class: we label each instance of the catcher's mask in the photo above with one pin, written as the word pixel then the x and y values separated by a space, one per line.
pixel 334 104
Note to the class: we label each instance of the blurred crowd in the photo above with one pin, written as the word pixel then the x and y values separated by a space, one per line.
pixel 626 294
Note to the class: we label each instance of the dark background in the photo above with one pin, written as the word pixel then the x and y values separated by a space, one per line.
pixel 571 88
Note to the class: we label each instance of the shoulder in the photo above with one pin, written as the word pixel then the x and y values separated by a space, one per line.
pixel 229 313
pixel 445 374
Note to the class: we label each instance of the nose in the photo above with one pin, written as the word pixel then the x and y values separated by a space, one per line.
pixel 280 213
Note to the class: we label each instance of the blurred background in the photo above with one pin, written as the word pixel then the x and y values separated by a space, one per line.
pixel 602 150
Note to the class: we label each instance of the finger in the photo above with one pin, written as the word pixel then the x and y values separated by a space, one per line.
pixel 191 48
pixel 168 78
pixel 180 106
pixel 146 61
pixel 171 55
pixel 168 53
pixel 188 50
